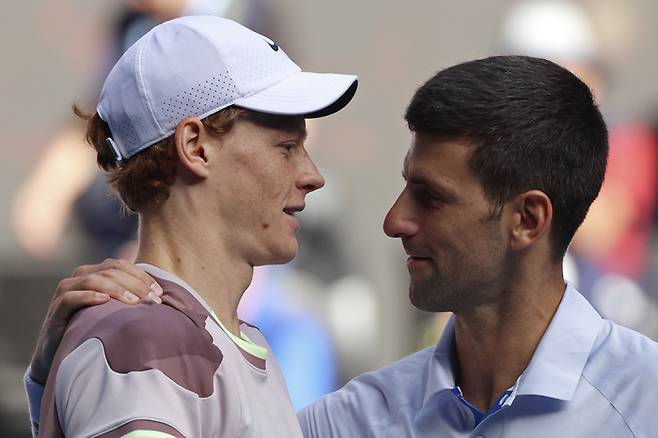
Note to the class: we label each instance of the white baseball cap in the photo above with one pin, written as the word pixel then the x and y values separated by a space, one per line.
pixel 198 65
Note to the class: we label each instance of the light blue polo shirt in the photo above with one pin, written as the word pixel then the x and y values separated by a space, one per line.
pixel 588 378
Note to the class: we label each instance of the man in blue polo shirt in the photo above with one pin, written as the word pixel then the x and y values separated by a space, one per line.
pixel 507 155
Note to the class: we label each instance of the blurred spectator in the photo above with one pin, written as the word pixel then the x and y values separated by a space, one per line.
pixel 611 253
pixel 66 182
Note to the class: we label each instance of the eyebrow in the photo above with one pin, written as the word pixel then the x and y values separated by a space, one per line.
pixel 434 187
pixel 288 124
pixel 296 135
pixel 301 131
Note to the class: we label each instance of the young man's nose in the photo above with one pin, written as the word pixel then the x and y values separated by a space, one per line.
pixel 310 178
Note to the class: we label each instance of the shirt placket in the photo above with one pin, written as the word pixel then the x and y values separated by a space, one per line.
pixel 483 421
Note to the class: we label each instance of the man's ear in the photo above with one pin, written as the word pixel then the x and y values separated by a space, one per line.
pixel 532 216
pixel 190 140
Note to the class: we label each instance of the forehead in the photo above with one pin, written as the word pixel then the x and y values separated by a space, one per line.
pixel 431 157
pixel 285 124
pixel 253 137
pixel 440 162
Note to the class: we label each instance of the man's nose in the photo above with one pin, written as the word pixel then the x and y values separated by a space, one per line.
pixel 400 220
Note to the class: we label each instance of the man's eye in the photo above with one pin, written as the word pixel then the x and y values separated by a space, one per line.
pixel 426 198
pixel 421 194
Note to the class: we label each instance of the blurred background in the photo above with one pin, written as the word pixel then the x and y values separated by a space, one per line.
pixel 342 305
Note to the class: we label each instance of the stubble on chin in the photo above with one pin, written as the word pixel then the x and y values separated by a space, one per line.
pixel 431 296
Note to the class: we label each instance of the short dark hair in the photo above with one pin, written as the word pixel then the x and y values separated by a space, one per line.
pixel 532 125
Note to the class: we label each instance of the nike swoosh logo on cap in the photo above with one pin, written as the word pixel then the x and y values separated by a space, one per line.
pixel 272 44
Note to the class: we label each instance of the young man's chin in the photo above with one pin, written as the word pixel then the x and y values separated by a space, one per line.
pixel 282 255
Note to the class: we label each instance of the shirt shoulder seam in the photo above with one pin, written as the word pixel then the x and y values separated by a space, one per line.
pixel 630 429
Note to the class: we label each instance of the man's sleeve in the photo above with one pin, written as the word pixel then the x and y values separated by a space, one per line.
pixel 92 399
pixel 309 427
pixel 327 418
pixel 34 391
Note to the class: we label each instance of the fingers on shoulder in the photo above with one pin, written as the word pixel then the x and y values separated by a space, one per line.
pixel 82 298
pixel 119 278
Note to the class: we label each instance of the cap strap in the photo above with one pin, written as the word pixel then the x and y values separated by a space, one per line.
pixel 115 149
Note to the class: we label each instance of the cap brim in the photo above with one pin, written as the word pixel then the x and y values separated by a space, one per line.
pixel 304 93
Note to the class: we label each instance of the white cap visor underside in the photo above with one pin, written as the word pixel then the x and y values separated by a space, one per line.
pixel 303 93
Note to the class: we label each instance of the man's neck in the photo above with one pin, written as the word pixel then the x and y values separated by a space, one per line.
pixel 202 261
pixel 496 343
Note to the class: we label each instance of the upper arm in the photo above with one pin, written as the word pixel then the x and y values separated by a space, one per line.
pixel 92 399
pixel 147 365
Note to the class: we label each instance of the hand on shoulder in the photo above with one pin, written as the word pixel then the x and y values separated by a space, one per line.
pixel 89 285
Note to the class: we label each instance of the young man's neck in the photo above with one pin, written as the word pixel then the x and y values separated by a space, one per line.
pixel 496 343
pixel 200 260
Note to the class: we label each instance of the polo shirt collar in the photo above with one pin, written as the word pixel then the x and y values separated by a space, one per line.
pixel 441 367
pixel 555 367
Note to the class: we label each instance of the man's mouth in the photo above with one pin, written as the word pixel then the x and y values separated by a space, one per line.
pixel 415 263
pixel 414 257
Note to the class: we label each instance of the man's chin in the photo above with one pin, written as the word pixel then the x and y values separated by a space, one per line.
pixel 418 298
pixel 428 299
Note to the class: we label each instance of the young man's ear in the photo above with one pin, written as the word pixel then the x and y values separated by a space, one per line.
pixel 532 216
pixel 189 138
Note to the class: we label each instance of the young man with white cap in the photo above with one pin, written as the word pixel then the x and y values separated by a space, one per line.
pixel 200 126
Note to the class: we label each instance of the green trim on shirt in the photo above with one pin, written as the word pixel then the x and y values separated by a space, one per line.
pixel 147 434
pixel 243 341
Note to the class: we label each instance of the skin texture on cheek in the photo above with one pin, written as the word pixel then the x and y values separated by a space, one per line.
pixel 265 180
pixel 466 266
pixel 461 246
pixel 260 172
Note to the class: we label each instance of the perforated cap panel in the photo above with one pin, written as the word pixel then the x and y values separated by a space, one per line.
pixel 207 96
